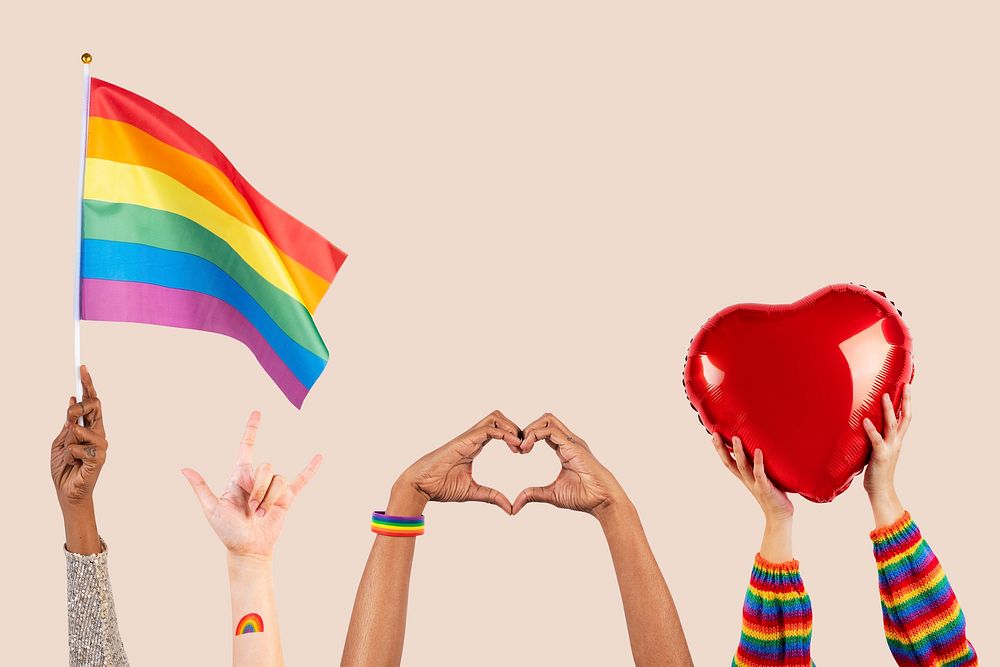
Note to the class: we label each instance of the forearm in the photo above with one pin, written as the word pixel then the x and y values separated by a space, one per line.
pixel 378 621
pixel 256 638
pixel 654 626
pixel 80 526
pixel 777 617
pixel 94 638
pixel 924 624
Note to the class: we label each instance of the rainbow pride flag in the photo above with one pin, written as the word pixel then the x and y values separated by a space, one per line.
pixel 174 235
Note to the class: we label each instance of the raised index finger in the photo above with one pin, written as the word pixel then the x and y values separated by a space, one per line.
pixel 88 383
pixel 249 436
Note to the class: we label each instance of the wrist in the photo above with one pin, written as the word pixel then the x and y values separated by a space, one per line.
pixel 776 545
pixel 886 507
pixel 618 507
pixel 248 565
pixel 405 499
pixel 80 528
pixel 882 494
pixel 778 521
pixel 72 509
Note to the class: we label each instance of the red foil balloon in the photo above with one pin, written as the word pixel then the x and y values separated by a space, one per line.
pixel 796 381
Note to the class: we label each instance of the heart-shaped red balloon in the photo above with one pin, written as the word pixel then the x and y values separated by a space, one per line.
pixel 797 380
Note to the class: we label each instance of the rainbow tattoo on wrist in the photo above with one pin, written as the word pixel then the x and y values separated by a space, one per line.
pixel 250 623
pixel 397 526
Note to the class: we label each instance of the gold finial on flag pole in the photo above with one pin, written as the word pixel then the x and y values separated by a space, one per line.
pixel 86 58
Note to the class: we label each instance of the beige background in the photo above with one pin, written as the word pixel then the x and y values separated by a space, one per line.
pixel 542 202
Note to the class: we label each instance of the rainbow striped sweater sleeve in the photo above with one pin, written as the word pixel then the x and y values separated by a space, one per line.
pixel 777 618
pixel 924 626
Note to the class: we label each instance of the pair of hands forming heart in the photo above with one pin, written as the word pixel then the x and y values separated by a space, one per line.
pixel 445 474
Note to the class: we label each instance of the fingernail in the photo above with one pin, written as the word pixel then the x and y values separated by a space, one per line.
pixel 259 512
pixel 254 504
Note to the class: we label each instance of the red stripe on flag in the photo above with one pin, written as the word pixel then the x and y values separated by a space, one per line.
pixel 297 240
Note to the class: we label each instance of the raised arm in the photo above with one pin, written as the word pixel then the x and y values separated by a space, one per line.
pixel 583 484
pixel 248 518
pixel 77 457
pixel 777 613
pixel 924 624
pixel 378 622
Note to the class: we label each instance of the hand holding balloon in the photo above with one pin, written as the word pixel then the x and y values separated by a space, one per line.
pixel 881 472
pixel 776 545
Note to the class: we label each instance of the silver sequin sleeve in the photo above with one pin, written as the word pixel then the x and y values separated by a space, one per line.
pixel 94 640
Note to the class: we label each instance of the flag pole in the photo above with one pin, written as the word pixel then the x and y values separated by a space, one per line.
pixel 86 58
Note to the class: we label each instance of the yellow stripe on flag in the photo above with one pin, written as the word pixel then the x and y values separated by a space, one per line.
pixel 119 182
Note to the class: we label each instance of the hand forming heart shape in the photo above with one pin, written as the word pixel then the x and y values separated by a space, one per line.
pixel 445 474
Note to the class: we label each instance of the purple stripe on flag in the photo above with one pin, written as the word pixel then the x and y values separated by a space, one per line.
pixel 121 301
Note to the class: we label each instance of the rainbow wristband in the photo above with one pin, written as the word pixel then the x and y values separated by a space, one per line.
pixel 397 526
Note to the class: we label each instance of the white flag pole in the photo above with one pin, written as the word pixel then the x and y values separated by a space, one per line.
pixel 86 58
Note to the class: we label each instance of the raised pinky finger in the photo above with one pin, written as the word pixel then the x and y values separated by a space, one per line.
pixel 302 479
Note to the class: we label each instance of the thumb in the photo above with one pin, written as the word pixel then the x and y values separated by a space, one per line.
pixel 533 494
pixel 205 496
pixel 486 494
